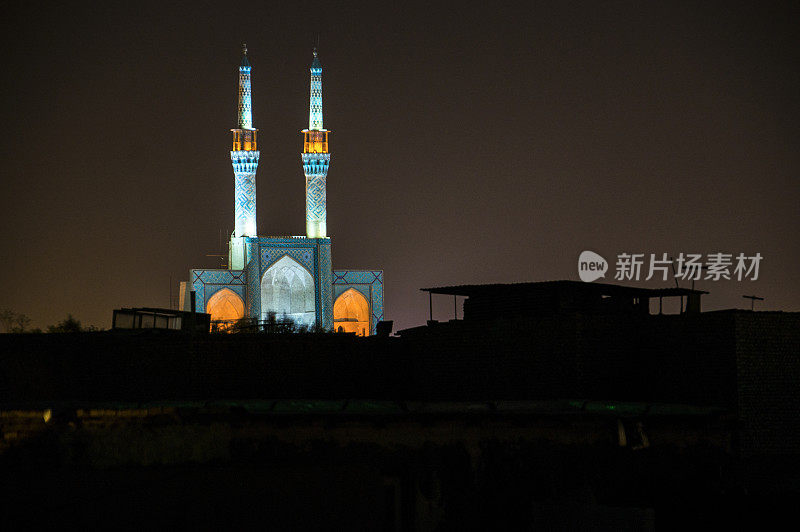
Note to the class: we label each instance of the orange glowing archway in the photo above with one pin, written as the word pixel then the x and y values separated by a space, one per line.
pixel 225 308
pixel 351 313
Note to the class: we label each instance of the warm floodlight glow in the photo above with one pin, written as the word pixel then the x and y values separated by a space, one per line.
pixel 351 313
pixel 225 307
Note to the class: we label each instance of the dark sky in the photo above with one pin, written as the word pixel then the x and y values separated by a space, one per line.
pixel 469 145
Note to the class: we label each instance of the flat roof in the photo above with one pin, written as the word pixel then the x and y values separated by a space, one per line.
pixel 153 310
pixel 539 287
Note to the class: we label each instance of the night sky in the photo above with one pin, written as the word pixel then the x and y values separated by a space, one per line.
pixel 468 145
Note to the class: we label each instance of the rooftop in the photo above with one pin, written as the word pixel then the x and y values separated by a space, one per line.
pixel 604 289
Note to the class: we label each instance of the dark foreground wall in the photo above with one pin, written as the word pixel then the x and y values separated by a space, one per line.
pixel 745 362
pixel 716 359
pixel 623 423
pixel 162 365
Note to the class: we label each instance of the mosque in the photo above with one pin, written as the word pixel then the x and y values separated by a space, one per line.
pixel 288 277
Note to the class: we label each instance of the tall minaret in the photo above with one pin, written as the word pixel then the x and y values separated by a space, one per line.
pixel 244 156
pixel 315 158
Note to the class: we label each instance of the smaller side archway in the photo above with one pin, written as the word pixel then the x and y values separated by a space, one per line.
pixel 351 313
pixel 226 308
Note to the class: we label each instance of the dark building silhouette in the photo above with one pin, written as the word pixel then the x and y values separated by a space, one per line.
pixel 507 301
pixel 555 405
pixel 160 318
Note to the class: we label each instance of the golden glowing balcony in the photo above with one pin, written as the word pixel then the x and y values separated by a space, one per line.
pixel 244 140
pixel 315 141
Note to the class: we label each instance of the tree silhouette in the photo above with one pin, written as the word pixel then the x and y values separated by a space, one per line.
pixel 67 325
pixel 15 322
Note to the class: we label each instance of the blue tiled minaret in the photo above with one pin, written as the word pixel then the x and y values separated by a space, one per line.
pixel 244 157
pixel 316 158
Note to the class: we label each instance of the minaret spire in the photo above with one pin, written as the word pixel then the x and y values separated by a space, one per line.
pixel 315 102
pixel 244 157
pixel 316 157
pixel 245 107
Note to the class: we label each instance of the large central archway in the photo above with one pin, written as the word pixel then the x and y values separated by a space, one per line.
pixel 351 313
pixel 225 307
pixel 287 290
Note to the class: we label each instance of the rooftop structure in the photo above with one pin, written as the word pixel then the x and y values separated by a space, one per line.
pixel 493 301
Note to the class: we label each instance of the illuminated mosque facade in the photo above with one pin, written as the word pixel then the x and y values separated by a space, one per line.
pixel 288 277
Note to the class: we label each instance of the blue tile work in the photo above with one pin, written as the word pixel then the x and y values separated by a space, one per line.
pixel 315 167
pixel 271 252
pixel 303 250
pixel 314 254
pixel 369 283
pixel 326 293
pixel 206 283
pixel 252 269
pixel 244 172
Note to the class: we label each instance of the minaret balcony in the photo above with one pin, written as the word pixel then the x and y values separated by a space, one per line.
pixel 315 141
pixel 244 140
